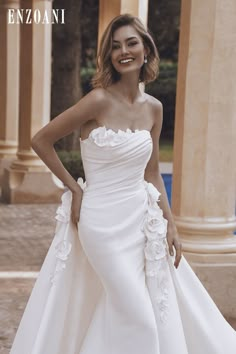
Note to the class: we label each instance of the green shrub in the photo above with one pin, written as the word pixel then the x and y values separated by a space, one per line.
pixel 86 75
pixel 72 162
pixel 164 89
pixel 166 151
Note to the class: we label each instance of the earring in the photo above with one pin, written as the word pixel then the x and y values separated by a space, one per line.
pixel 145 59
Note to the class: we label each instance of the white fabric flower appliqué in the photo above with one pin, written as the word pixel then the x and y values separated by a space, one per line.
pixel 103 136
pixel 63 250
pixel 155 251
pixel 63 212
pixel 63 246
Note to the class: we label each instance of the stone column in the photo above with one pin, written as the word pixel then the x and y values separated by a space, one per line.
pixel 9 85
pixel 28 180
pixel 110 9
pixel 205 144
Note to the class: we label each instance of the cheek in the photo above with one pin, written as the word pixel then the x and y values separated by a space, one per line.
pixel 140 52
pixel 114 61
pixel 113 58
pixel 139 58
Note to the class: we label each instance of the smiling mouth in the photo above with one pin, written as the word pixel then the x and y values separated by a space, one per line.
pixel 125 61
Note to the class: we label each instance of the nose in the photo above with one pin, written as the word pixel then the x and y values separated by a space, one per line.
pixel 124 49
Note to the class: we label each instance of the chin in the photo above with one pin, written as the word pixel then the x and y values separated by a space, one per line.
pixel 129 70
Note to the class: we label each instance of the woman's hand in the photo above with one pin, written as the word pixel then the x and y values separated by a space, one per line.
pixel 173 240
pixel 76 206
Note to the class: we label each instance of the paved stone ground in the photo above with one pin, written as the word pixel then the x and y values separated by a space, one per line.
pixel 25 235
pixel 14 294
pixel 26 232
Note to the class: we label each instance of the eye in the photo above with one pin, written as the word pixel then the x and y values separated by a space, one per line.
pixel 132 43
pixel 115 46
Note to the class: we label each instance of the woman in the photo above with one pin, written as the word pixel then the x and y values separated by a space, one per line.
pixel 109 283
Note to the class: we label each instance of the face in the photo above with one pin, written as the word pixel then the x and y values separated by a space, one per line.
pixel 127 50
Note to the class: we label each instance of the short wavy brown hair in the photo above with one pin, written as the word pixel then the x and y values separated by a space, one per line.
pixel 106 73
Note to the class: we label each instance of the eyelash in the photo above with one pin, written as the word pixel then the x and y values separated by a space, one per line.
pixel 130 44
pixel 133 43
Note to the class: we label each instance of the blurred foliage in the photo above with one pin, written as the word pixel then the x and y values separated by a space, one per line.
pixel 86 75
pixel 72 162
pixel 89 32
pixel 164 24
pixel 164 89
pixel 166 151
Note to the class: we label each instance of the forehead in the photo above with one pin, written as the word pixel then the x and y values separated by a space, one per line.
pixel 125 32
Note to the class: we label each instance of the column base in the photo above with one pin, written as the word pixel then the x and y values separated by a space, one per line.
pixel 8 150
pixel 217 272
pixel 5 162
pixel 30 187
pixel 207 235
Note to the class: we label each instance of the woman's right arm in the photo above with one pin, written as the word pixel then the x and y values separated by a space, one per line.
pixel 65 123
pixel 62 125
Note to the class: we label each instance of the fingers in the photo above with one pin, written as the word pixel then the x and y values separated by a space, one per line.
pixel 74 219
pixel 75 215
pixel 171 248
pixel 178 248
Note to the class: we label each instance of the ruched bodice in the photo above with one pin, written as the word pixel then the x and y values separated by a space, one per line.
pixel 114 160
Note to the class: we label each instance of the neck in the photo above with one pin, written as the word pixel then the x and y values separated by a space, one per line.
pixel 128 86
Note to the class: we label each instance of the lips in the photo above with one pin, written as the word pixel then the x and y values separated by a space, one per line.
pixel 126 60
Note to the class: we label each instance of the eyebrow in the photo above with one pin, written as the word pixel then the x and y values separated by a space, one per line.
pixel 133 37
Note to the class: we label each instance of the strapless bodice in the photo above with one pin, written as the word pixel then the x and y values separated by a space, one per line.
pixel 115 159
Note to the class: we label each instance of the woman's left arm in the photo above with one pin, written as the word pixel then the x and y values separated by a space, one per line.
pixel 152 174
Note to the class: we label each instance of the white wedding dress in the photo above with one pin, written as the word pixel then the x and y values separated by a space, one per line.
pixel 111 287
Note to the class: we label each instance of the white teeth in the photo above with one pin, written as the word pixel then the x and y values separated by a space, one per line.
pixel 126 61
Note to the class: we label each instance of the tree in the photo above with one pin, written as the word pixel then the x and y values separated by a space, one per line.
pixel 66 54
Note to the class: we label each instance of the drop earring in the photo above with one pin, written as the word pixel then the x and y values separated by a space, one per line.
pixel 145 59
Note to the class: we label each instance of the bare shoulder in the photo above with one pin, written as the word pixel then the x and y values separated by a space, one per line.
pixel 96 97
pixel 97 94
pixel 156 110
pixel 98 100
pixel 89 106
pixel 155 105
